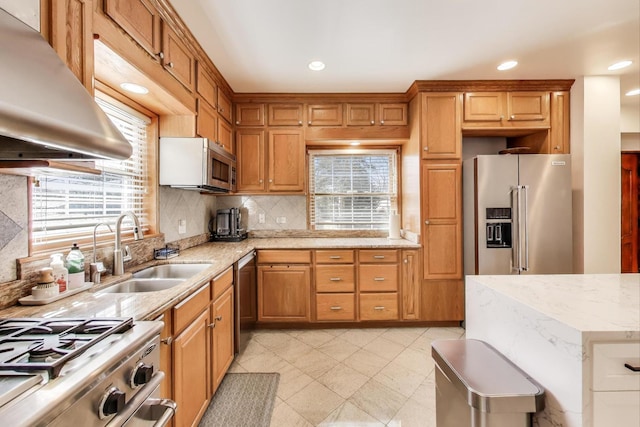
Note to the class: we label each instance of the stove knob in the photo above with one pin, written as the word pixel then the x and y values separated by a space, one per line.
pixel 141 375
pixel 112 402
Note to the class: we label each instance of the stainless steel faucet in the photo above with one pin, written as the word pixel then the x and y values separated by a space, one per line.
pixel 96 268
pixel 120 255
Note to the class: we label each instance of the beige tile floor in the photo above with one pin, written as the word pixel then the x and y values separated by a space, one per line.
pixel 348 377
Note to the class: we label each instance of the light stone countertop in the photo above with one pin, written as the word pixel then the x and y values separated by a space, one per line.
pixel 149 305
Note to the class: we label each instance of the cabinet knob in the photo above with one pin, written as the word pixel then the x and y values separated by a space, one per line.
pixel 427 222
pixel 300 122
pixel 309 122
pixel 406 261
pixel 512 117
pixel 170 65
pixel 260 181
pixel 221 110
pixel 237 122
pixel 382 122
pixel 167 341
pixel 373 122
pixel 501 117
pixel 425 149
pixel 270 180
pixel 161 55
pixel 218 318
pixel 557 147
pixel 212 325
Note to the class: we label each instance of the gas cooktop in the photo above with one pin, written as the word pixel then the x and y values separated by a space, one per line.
pixel 29 345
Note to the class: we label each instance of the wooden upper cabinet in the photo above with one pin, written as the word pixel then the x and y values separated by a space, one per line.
pixel 442 207
pixel 324 115
pixel 224 106
pixel 559 134
pixel 206 121
pixel 139 19
pixel 250 152
pixel 441 118
pixel 506 109
pixel 361 114
pixel 71 35
pixel 285 115
pixel 250 114
pixel 286 160
pixel 393 114
pixel 205 86
pixel 225 136
pixel 177 59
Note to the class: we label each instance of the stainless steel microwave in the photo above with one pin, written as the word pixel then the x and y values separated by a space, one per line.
pixel 196 164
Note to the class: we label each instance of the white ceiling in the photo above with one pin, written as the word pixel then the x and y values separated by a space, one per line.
pixel 384 45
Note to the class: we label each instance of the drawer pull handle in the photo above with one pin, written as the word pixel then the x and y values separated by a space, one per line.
pixel 378 257
pixel 336 308
pixel 335 279
pixel 378 279
pixel 631 367
pixel 335 257
pixel 379 307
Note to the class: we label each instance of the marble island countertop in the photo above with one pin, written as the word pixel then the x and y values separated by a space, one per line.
pixel 149 305
pixel 586 303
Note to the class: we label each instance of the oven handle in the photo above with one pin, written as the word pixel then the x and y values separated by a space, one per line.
pixel 169 407
pixel 140 399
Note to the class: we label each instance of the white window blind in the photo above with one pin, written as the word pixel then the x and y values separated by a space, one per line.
pixel 355 190
pixel 66 207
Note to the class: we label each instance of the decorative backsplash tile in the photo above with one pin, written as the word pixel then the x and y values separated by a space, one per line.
pixel 280 212
pixel 14 224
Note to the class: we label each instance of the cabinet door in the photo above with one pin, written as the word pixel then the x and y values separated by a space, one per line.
pixel 442 300
pixel 71 36
pixel 190 371
pixel 250 161
pixel 361 114
pixel 441 130
pixel 410 283
pixel 528 107
pixel 442 207
pixel 222 333
pixel 285 115
pixel 559 134
pixel 205 86
pixel 224 106
pixel 286 160
pixel 324 115
pixel 484 106
pixel 284 293
pixel 206 119
pixel 393 114
pixel 178 60
pixel 225 135
pixel 250 114
pixel 139 19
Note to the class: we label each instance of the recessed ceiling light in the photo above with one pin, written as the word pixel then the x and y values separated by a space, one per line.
pixel 354 143
pixel 633 92
pixel 507 65
pixel 619 65
pixel 134 88
pixel 316 65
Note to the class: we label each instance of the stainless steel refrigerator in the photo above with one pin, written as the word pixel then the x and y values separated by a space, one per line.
pixel 517 214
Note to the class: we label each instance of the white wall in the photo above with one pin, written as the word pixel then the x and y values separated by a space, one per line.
pixel 28 11
pixel 630 118
pixel 595 148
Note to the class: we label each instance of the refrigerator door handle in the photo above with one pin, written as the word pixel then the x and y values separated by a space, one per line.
pixel 515 248
pixel 525 209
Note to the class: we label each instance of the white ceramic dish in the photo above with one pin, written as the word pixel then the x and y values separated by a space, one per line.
pixel 32 300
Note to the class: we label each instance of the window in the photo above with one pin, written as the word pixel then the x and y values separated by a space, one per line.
pixel 66 207
pixel 354 190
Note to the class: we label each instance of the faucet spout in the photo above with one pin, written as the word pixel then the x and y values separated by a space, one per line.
pixel 118 252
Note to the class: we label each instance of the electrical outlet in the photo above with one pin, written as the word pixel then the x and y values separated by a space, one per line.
pixel 182 226
pixel 261 218
pixel 281 220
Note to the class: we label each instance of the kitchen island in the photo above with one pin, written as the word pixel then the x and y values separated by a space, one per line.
pixel 573 334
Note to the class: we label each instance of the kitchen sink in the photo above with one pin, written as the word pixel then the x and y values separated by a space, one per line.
pixel 171 271
pixel 142 285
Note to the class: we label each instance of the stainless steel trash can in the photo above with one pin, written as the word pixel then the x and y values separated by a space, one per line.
pixel 477 386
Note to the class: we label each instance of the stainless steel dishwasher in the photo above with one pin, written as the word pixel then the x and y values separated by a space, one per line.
pixel 245 295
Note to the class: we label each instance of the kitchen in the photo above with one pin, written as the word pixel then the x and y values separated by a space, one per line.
pixel 176 205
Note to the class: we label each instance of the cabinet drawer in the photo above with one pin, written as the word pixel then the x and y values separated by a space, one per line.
pixel 188 309
pixel 378 278
pixel 334 256
pixel 222 282
pixel 284 257
pixel 618 409
pixel 609 372
pixel 379 306
pixel 335 278
pixel 335 307
pixel 378 256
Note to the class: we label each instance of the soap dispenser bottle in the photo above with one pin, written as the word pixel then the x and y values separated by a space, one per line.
pixel 60 273
pixel 75 265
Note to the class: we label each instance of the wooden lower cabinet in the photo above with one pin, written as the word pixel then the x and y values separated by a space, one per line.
pixel 379 306
pixel 222 328
pixel 410 282
pixel 190 365
pixel 284 293
pixel 443 300
pixel 166 358
pixel 335 307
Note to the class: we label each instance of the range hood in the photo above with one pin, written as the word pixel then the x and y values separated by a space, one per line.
pixel 45 112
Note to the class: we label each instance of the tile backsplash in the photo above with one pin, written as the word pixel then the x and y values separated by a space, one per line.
pixel 193 208
pixel 279 212
pixel 14 224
